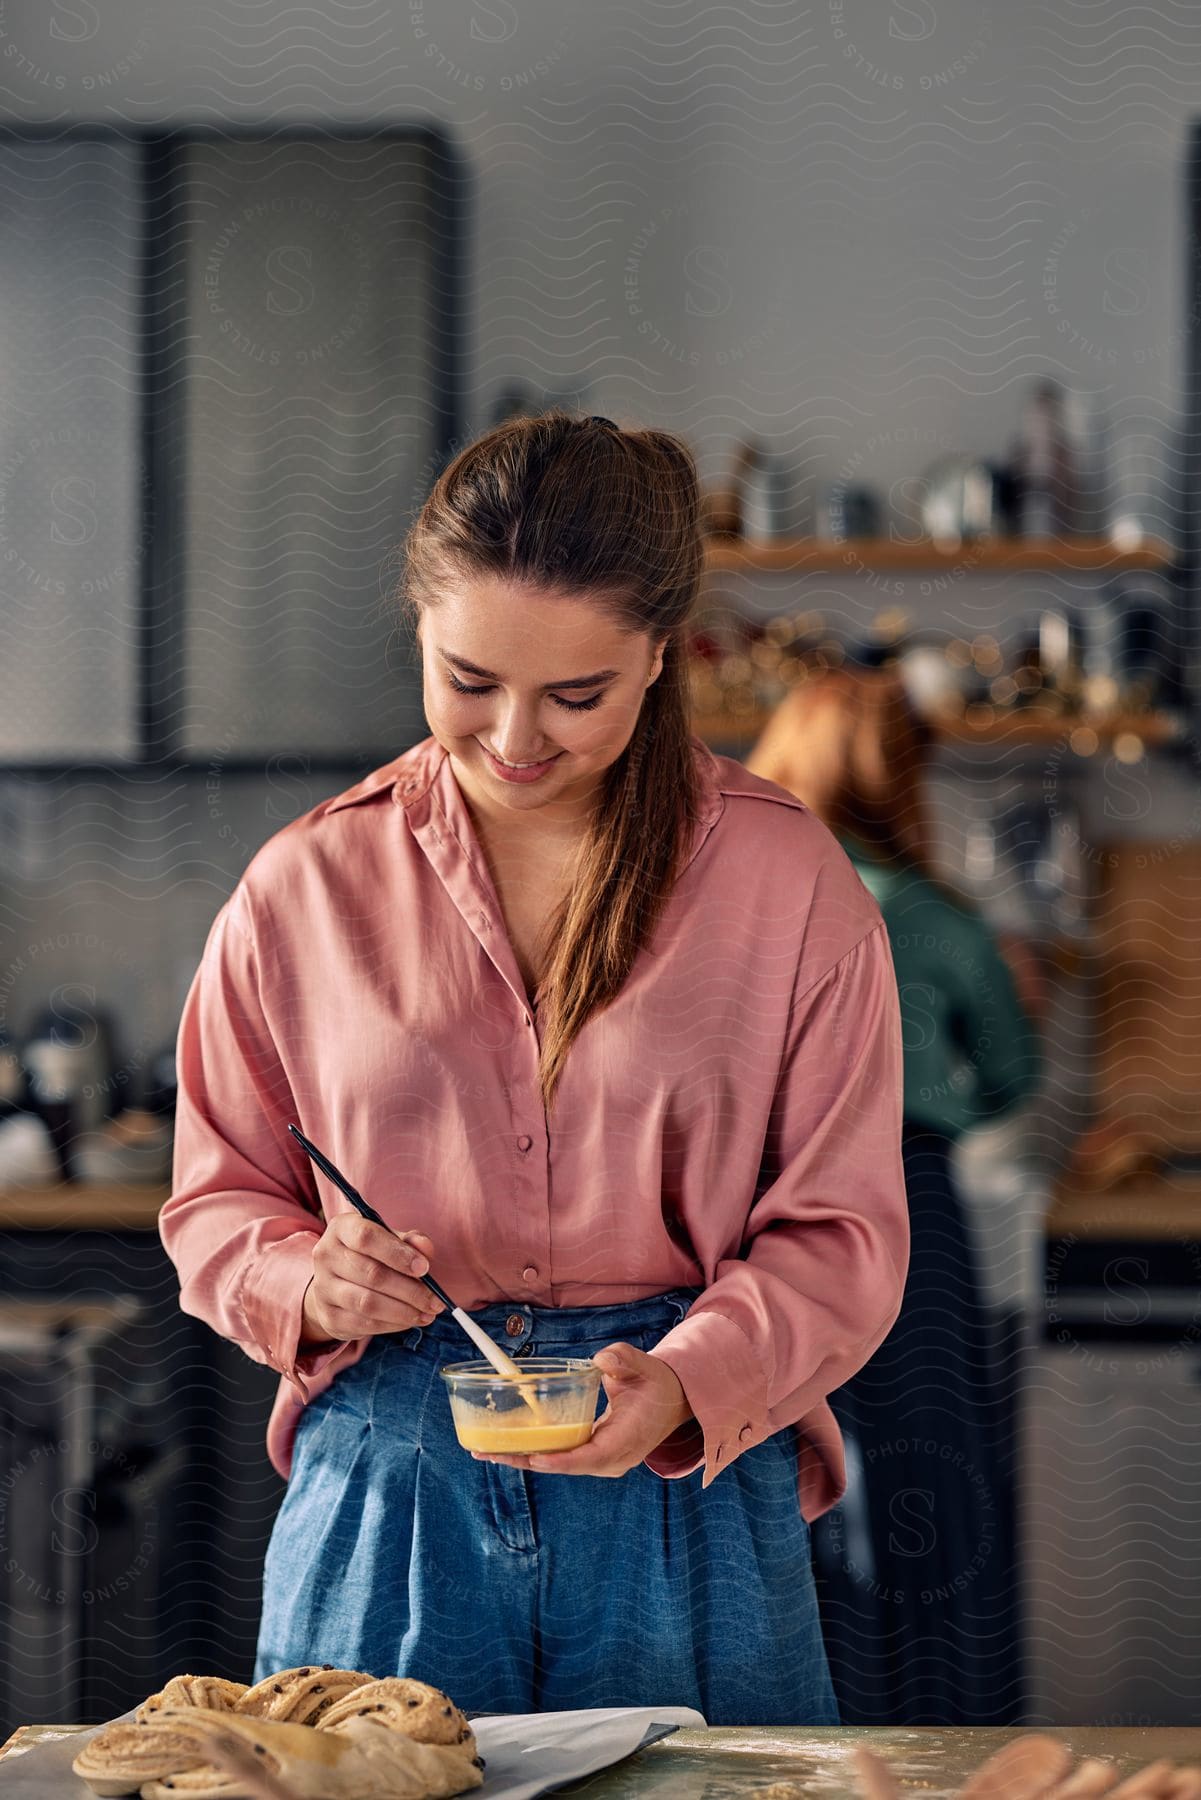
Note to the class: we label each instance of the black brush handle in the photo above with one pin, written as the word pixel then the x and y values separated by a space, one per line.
pixel 361 1206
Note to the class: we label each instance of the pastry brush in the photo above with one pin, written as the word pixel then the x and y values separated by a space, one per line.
pixel 501 1361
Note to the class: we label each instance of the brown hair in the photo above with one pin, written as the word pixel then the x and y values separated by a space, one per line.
pixel 583 507
pixel 848 743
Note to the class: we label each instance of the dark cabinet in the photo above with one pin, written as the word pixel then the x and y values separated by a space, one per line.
pixel 232 371
pixel 1111 1484
pixel 72 542
pixel 310 375
pixel 136 1498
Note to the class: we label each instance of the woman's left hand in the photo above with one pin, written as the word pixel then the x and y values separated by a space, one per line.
pixel 646 1404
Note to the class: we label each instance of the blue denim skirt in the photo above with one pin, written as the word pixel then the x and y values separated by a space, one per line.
pixel 514 1590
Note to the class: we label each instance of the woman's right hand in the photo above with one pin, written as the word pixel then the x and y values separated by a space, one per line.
pixel 363 1282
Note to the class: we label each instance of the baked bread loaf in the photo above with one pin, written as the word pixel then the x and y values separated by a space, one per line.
pixel 313 1733
pixel 124 1754
pixel 193 1690
pixel 413 1708
pixel 203 1778
pixel 269 1759
pixel 300 1696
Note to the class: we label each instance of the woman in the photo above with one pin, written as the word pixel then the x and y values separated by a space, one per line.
pixel 607 1030
pixel 916 1578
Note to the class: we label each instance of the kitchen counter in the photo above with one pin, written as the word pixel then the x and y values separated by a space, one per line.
pixel 732 1761
pixel 1150 1207
pixel 83 1206
pixel 1145 1209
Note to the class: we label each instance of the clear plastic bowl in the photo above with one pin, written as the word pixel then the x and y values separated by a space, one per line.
pixel 490 1413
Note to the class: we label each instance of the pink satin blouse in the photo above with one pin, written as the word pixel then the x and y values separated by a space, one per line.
pixel 732 1121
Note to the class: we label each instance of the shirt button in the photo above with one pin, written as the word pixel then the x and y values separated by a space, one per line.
pixel 529 1273
pixel 523 1143
pixel 745 1433
pixel 514 1324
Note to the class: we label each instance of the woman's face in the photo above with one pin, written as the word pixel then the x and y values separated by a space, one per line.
pixel 550 680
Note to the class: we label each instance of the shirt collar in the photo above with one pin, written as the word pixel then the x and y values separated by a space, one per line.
pixel 404 779
pixel 410 776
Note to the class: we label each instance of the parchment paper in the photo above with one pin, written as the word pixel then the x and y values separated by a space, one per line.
pixel 525 1753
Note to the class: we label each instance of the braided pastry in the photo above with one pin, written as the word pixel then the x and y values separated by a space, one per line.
pixel 193 1690
pixel 300 1696
pixel 203 1778
pixel 412 1708
pixel 127 1752
pixel 270 1759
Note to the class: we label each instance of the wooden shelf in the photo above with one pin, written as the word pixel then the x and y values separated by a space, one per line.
pixel 1025 729
pixel 1034 726
pixel 1152 1207
pixel 82 1206
pixel 985 556
pixel 729 728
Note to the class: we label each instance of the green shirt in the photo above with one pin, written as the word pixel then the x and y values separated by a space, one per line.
pixel 970 1051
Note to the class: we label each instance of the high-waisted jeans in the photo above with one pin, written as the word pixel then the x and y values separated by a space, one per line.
pixel 520 1591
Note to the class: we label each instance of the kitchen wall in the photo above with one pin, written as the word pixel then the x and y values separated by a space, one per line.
pixel 855 226
pixel 856 229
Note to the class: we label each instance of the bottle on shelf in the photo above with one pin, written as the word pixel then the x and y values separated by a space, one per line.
pixel 762 483
pixel 848 510
pixel 52 1093
pixel 1086 434
pixel 1059 655
pixel 1044 475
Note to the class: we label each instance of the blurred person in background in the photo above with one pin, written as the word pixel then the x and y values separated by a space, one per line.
pixel 915 1568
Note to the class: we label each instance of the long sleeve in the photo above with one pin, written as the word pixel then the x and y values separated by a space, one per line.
pixel 243 1216
pixel 816 1283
